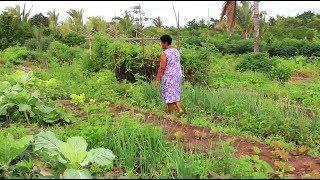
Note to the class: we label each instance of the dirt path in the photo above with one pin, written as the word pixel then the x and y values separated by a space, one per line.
pixel 202 139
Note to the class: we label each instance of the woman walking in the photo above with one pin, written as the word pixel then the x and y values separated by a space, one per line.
pixel 170 74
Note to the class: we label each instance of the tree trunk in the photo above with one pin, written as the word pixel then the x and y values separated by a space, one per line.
pixel 256 25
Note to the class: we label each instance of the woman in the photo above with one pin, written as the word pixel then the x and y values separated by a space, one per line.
pixel 170 73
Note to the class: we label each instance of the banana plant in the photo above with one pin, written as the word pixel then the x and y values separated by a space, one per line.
pixel 73 153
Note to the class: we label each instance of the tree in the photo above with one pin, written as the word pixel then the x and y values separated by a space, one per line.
pixel 256 26
pixel 13 31
pixel 76 20
pixel 53 19
pixel 229 10
pixel 96 24
pixel 39 20
pixel 157 22
pixel 16 12
pixel 244 18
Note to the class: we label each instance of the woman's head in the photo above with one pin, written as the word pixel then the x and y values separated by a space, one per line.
pixel 166 41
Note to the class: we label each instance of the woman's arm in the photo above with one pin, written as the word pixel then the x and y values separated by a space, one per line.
pixel 162 68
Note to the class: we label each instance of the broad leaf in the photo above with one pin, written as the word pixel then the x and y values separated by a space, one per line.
pixel 47 140
pixel 76 174
pixel 100 156
pixel 74 150
pixel 24 107
pixel 44 109
pixel 4 108
pixel 4 86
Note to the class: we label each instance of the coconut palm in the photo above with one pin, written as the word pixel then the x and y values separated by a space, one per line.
pixel 157 22
pixel 96 24
pixel 16 12
pixel 256 26
pixel 53 19
pixel 229 10
pixel 76 20
pixel 244 18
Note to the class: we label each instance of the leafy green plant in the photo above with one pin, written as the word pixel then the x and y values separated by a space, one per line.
pixel 78 99
pixel 256 62
pixel 17 95
pixel 14 54
pixel 73 153
pixel 10 148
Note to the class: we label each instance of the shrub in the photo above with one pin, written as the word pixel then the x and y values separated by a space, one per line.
pixel 256 62
pixel 196 64
pixel 281 72
pixel 293 47
pixel 101 54
pixel 64 54
pixel 15 54
pixel 73 39
pixel 35 44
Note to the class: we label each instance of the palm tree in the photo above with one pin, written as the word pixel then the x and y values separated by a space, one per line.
pixel 76 20
pixel 16 12
pixel 256 27
pixel 96 24
pixel 229 10
pixel 157 22
pixel 244 18
pixel 53 19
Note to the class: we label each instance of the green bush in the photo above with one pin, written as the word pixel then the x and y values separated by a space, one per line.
pixel 281 72
pixel 293 47
pixel 196 64
pixel 14 54
pixel 101 54
pixel 73 39
pixel 35 44
pixel 259 62
pixel 64 54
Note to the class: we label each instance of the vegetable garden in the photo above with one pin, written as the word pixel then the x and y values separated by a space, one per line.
pixel 72 108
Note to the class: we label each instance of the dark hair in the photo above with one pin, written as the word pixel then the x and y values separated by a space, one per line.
pixel 166 39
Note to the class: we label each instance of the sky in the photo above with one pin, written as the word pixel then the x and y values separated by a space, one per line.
pixel 188 9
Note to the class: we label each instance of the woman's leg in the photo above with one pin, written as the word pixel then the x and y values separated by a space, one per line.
pixel 178 105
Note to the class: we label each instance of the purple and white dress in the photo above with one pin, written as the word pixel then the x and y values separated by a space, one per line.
pixel 172 78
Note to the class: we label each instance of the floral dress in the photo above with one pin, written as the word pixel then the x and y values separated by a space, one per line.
pixel 172 77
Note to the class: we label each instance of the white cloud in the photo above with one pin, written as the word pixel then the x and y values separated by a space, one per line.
pixel 188 9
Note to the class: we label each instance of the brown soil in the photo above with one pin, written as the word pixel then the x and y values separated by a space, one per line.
pixel 202 139
pixel 73 107
pixel 301 76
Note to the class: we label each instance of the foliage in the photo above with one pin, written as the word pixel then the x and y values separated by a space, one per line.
pixel 78 99
pixel 14 55
pixel 73 39
pixel 35 44
pixel 17 96
pixel 73 153
pixel 39 20
pixel 13 31
pixel 256 62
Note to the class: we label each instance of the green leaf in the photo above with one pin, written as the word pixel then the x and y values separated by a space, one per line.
pixel 100 156
pixel 44 109
pixel 16 87
pixel 47 140
pixel 4 108
pixel 76 174
pixel 24 107
pixel 4 86
pixel 74 150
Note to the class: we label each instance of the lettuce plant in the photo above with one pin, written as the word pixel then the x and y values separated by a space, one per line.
pixel 73 153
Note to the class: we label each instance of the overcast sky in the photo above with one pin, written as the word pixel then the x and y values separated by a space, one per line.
pixel 188 9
